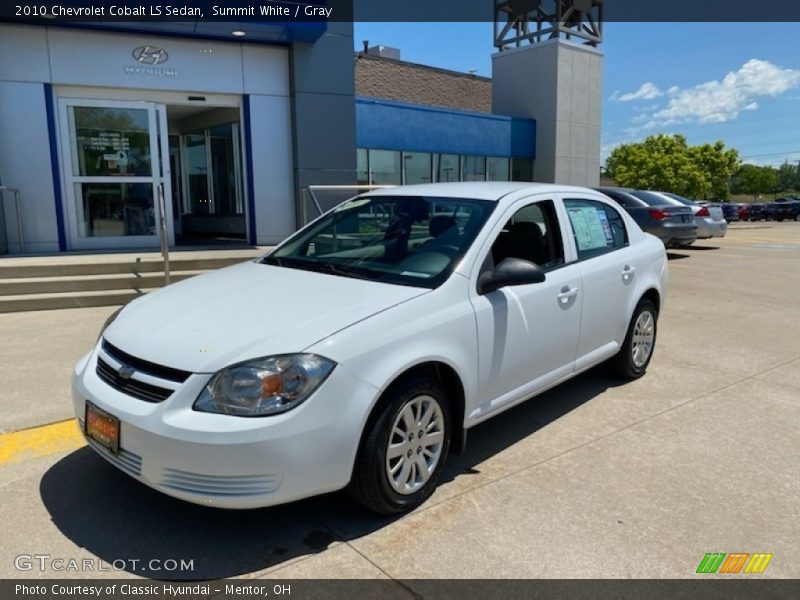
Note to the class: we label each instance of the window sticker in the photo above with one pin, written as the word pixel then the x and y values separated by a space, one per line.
pixel 591 233
pixel 606 226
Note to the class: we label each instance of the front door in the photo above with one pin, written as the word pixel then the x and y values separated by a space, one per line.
pixel 115 173
pixel 527 334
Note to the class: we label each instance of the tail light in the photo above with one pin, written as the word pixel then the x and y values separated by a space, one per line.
pixel 659 214
pixel 703 212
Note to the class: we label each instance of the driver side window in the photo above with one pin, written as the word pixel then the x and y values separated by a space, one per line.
pixel 532 234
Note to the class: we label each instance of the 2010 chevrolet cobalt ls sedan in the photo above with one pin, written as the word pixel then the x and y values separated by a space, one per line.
pixel 359 352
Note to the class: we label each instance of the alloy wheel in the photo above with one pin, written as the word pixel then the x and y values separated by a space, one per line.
pixel 415 444
pixel 644 333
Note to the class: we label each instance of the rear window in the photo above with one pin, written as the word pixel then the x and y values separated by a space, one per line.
pixel 622 199
pixel 681 199
pixel 651 199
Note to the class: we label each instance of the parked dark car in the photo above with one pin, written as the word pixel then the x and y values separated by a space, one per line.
pixel 757 212
pixel 787 208
pixel 673 225
pixel 744 212
pixel 730 211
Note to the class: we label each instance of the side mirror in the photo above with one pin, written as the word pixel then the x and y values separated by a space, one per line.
pixel 511 271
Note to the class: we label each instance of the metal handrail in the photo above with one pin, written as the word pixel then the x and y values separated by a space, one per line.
pixel 18 207
pixel 163 232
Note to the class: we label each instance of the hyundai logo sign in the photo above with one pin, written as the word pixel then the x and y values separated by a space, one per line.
pixel 150 55
pixel 126 372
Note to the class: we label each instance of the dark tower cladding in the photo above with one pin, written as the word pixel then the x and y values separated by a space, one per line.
pixel 521 22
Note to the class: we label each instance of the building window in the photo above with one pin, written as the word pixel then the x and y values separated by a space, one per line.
pixel 445 167
pixel 384 166
pixel 521 169
pixel 416 168
pixel 362 166
pixel 497 168
pixel 473 168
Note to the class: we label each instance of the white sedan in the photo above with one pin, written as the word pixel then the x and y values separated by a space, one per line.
pixel 359 352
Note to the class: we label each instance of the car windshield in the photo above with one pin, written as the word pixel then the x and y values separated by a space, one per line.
pixel 407 240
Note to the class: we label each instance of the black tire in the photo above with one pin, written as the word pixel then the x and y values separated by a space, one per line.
pixel 369 485
pixel 797 217
pixel 623 363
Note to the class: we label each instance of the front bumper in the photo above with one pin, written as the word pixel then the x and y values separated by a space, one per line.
pixel 227 461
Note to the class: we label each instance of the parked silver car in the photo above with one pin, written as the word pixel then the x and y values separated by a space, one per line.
pixel 709 218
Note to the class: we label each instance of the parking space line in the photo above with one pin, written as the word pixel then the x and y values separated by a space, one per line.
pixel 40 441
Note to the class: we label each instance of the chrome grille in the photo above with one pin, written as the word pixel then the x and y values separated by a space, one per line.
pixel 132 387
pixel 145 366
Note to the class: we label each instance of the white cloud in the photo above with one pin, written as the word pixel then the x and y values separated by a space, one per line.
pixel 722 101
pixel 648 91
pixel 772 160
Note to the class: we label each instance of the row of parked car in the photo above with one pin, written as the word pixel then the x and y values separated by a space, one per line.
pixel 786 208
pixel 676 220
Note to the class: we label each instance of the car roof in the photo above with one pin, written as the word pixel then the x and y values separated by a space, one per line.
pixel 476 190
pixel 615 189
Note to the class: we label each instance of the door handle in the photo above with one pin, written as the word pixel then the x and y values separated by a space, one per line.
pixel 627 273
pixel 566 294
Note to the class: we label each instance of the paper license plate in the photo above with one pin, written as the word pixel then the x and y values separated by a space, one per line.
pixel 102 427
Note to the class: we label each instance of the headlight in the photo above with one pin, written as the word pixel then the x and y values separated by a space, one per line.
pixel 265 386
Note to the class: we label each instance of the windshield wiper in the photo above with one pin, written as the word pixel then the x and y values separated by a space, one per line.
pixel 315 266
pixel 343 271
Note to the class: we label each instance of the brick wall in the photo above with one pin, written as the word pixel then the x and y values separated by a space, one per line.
pixel 418 84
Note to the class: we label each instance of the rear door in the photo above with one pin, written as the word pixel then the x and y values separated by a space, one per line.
pixel 609 267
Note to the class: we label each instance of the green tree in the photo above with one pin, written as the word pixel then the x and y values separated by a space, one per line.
pixel 718 165
pixel 787 177
pixel 668 163
pixel 755 180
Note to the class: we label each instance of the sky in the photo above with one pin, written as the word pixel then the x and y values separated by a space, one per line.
pixel 735 82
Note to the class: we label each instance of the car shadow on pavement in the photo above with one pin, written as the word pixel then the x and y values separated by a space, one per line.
pixel 700 247
pixel 134 529
pixel 676 256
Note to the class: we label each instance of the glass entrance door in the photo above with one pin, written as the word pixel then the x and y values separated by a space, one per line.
pixel 114 172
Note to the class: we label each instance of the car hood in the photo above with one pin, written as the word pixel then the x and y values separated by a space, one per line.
pixel 246 311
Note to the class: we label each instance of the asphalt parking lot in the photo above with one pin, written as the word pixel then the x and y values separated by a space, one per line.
pixel 594 479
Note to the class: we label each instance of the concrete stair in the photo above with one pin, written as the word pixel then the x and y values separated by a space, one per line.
pixel 81 280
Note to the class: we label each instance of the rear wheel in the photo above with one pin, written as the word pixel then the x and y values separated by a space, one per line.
pixel 404 451
pixel 640 341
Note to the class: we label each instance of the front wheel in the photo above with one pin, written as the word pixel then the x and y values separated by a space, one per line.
pixel 640 341
pixel 403 453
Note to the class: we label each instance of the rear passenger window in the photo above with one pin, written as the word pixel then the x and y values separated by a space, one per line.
pixel 597 227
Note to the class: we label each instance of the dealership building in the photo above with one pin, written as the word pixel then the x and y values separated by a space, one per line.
pixel 222 127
